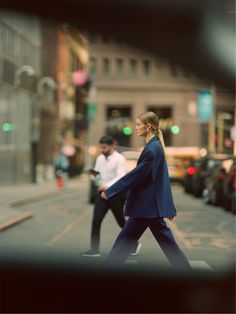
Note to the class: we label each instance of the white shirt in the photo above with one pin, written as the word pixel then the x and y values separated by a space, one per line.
pixel 111 168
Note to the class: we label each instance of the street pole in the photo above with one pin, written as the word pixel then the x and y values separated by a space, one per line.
pixel 91 107
pixel 220 137
pixel 211 125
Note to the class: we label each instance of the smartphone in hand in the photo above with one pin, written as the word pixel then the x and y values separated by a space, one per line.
pixel 93 172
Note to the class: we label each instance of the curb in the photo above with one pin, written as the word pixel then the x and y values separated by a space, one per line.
pixel 33 199
pixel 28 200
pixel 41 197
pixel 16 220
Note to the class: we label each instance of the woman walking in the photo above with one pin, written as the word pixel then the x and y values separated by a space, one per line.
pixel 149 198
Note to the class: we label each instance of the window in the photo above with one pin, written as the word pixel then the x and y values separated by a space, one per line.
pixel 119 66
pixel 119 123
pixel 146 67
pixel 106 39
pixel 91 38
pixel 75 62
pixel 174 71
pixel 92 66
pixel 186 73
pixel 165 114
pixel 133 67
pixel 106 66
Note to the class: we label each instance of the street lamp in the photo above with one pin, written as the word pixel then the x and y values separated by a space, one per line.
pixel 45 81
pixel 28 69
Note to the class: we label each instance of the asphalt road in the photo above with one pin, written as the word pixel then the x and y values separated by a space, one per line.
pixel 62 225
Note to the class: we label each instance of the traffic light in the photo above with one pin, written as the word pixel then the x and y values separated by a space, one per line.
pixel 127 131
pixel 175 129
pixel 7 127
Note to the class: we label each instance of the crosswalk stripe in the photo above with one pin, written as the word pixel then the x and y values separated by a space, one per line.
pixel 131 261
pixel 200 265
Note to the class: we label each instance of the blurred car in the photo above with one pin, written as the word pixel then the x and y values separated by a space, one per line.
pixel 229 189
pixel 214 183
pixel 178 160
pixel 131 161
pixel 199 171
pixel 189 173
pixel 176 170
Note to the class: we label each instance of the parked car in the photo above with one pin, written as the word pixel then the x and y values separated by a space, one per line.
pixel 131 159
pixel 229 189
pixel 176 170
pixel 199 171
pixel 179 159
pixel 189 173
pixel 213 191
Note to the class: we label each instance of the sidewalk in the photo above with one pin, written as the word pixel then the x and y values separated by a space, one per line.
pixel 12 196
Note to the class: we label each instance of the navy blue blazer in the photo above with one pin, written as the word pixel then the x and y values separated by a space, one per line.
pixel 148 185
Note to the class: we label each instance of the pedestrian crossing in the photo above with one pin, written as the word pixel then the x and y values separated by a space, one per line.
pixel 202 265
pixel 196 265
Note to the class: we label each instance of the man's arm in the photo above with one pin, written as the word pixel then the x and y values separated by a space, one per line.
pixel 95 172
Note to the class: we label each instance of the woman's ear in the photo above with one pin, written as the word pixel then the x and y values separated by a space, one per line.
pixel 148 127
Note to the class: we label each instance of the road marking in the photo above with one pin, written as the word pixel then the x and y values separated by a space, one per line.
pixel 195 264
pixel 68 228
pixel 132 261
pixel 200 265
pixel 16 220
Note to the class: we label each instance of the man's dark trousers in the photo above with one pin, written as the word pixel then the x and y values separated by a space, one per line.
pixel 116 205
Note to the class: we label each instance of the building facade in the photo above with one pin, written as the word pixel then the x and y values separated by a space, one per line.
pixel 130 81
pixel 63 125
pixel 20 68
pixel 73 86
pixel 41 109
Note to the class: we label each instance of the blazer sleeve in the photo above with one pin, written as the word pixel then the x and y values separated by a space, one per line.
pixel 134 177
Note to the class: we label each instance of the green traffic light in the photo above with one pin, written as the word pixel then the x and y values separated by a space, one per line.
pixel 175 129
pixel 127 131
pixel 6 127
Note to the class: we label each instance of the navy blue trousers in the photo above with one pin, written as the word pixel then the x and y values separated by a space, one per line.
pixel 133 230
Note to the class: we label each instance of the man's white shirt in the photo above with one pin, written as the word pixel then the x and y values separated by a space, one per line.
pixel 111 168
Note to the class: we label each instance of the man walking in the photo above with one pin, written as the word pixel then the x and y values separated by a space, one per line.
pixel 109 168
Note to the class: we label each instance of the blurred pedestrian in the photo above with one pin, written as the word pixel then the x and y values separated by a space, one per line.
pixel 149 199
pixel 109 167
pixel 61 166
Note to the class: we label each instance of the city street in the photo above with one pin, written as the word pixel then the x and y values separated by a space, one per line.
pixel 61 224
pixel 81 85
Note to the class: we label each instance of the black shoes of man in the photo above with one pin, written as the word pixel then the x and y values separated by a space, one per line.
pixel 96 253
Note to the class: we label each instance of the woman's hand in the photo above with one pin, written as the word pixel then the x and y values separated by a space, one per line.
pixel 103 195
pixel 101 188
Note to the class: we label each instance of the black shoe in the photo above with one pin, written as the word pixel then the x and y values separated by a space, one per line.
pixel 91 253
pixel 136 249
